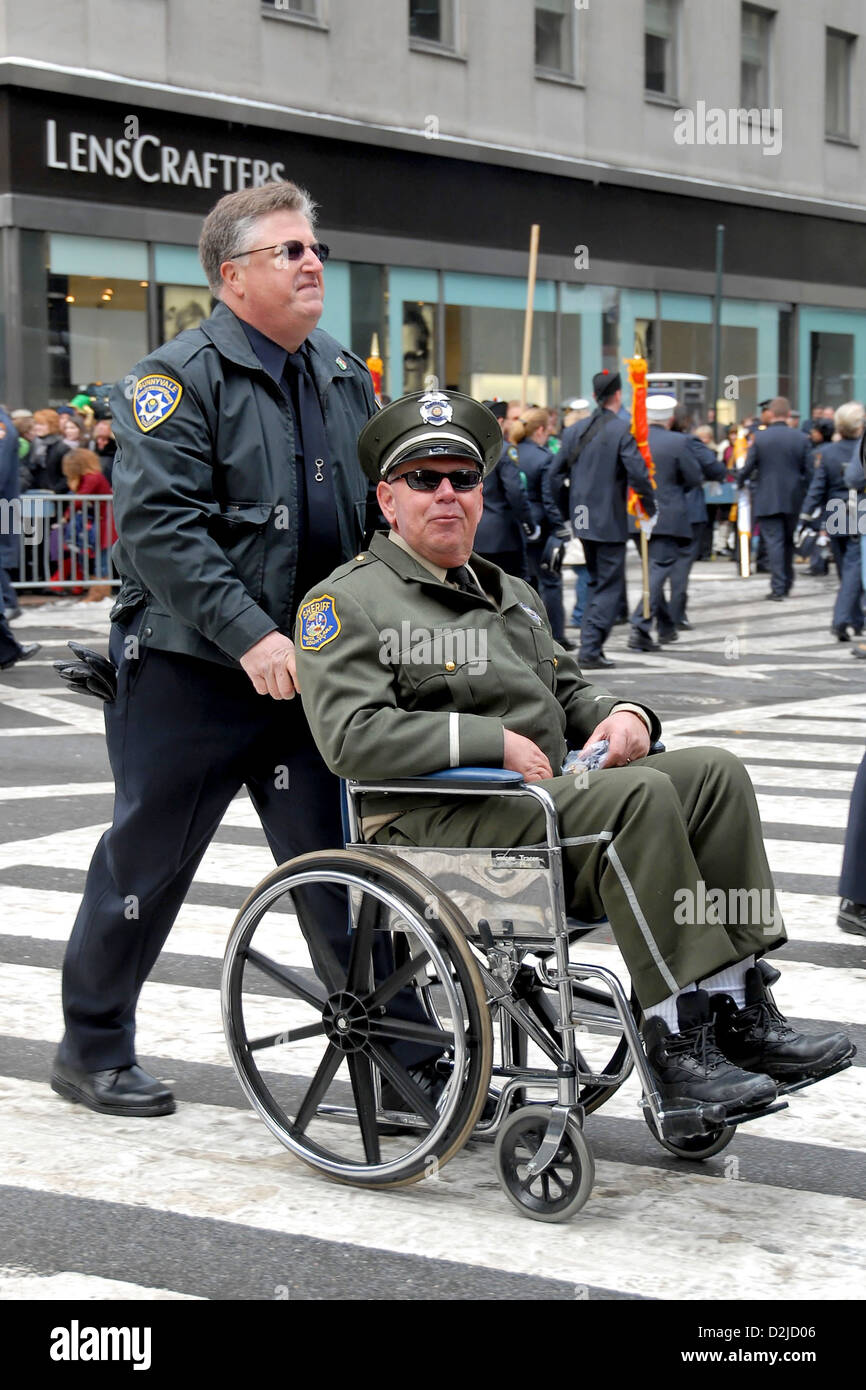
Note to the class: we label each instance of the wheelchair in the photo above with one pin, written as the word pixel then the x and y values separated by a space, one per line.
pixel 482 938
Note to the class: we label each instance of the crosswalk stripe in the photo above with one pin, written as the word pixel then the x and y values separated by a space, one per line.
pixel 27 1284
pixel 748 745
pixel 460 1216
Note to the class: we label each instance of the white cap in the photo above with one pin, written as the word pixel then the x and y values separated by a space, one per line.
pixel 578 404
pixel 659 408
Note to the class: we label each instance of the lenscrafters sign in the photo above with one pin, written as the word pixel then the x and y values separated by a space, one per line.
pixel 140 155
pixel 62 147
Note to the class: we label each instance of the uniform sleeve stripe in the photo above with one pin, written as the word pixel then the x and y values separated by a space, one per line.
pixel 454 739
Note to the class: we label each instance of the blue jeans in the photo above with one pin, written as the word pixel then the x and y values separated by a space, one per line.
pixel 581 591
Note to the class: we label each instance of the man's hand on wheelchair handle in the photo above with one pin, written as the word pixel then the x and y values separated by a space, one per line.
pixel 270 665
pixel 628 735
pixel 522 755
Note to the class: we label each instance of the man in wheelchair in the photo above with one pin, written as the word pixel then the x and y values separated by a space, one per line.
pixel 419 655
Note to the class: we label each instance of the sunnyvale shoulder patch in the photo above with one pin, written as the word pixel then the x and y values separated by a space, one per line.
pixel 318 623
pixel 155 398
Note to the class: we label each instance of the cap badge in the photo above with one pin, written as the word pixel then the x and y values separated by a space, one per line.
pixel 435 408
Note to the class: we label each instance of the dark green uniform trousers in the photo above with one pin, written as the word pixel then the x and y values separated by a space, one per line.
pixel 668 848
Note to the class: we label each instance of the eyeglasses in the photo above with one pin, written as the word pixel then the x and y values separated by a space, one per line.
pixel 428 480
pixel 289 251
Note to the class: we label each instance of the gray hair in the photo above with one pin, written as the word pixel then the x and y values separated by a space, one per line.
pixel 231 223
pixel 849 420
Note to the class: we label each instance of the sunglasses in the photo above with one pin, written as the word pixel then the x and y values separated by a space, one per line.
pixel 428 480
pixel 290 251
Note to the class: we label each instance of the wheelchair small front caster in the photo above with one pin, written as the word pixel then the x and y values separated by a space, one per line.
pixel 563 1187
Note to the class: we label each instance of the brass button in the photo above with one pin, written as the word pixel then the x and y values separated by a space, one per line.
pixel 556 661
pixel 450 665
pixel 360 557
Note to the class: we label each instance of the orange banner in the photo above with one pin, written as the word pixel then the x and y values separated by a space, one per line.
pixel 637 370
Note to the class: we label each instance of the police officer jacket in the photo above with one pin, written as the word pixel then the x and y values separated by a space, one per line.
pixel 205 494
pixel 676 469
pixel 607 465
pixel 385 700
pixel 828 477
pixel 780 458
pixel 713 471
pixel 533 462
pixel 506 508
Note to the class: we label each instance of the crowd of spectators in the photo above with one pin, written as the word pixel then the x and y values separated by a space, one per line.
pixel 63 453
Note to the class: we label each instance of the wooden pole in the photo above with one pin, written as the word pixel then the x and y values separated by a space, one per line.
pixel 530 306
pixel 644 565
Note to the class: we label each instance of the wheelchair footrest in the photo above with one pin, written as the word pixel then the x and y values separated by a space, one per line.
pixel 786 1089
pixel 688 1122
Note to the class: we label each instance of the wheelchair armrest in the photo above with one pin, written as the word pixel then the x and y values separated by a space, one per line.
pixel 457 779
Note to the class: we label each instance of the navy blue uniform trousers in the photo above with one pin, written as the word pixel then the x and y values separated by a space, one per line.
pixel 605 561
pixel 852 883
pixel 848 608
pixel 184 736
pixel 778 532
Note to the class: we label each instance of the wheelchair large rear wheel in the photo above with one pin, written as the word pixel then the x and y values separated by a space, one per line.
pixel 318 1024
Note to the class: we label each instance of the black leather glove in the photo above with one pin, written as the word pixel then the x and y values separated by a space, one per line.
pixel 551 559
pixel 91 674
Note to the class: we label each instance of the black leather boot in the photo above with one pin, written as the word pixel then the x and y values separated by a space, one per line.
pixel 689 1066
pixel 760 1039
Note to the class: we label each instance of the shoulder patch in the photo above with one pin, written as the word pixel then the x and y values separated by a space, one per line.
pixel 155 398
pixel 513 454
pixel 318 623
pixel 536 617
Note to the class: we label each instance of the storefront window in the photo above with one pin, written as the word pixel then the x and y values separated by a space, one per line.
pixel 97 310
pixel 367 307
pixel 484 320
pixel 183 296
pixel 832 367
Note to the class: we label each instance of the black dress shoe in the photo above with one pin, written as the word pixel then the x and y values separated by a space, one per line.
pixel 841 633
pixel 588 663
pixel 689 1066
pixel 852 917
pixel 29 649
pixel 684 625
pixel 639 642
pixel 774 598
pixel 666 637
pixel 567 644
pixel 117 1091
pixel 760 1039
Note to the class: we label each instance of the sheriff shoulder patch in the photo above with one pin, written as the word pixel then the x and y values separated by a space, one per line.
pixel 154 400
pixel 318 623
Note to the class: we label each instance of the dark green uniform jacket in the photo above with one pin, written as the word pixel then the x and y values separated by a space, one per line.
pixel 386 697
pixel 205 489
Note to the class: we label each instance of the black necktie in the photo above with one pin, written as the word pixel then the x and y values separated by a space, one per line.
pixel 319 543
pixel 460 576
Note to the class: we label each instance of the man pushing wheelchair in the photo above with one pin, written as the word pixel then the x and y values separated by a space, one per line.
pixel 418 655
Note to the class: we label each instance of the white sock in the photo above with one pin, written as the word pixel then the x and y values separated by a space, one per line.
pixel 667 1010
pixel 731 980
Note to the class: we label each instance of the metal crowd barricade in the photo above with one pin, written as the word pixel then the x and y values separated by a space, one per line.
pixel 64 540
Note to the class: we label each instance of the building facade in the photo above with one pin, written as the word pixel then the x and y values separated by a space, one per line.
pixel 433 134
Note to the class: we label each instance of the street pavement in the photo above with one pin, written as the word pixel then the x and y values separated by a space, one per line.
pixel 206 1203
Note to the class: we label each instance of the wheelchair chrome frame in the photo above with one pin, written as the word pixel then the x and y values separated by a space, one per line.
pixel 557 974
